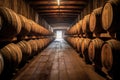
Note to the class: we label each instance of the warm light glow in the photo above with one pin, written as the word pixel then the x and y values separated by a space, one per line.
pixel 58 1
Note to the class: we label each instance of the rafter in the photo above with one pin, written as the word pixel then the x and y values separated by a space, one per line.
pixel 59 11
pixel 69 2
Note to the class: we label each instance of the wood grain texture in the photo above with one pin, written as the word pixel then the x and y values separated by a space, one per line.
pixel 58 62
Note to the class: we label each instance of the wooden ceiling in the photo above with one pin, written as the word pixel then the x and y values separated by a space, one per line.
pixel 63 15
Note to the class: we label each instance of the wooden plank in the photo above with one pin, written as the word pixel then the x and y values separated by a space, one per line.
pixel 45 53
pixel 7 3
pixel 43 73
pixel 54 75
pixel 37 67
pixel 58 14
pixel 62 68
pixel 28 72
pixel 79 72
pixel 36 73
pixel 43 59
pixel 1 2
pixel 55 2
pixel 56 7
pixel 87 71
pixel 64 16
pixel 63 63
pixel 69 67
pixel 59 11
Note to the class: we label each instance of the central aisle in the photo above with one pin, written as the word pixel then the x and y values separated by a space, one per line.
pixel 57 62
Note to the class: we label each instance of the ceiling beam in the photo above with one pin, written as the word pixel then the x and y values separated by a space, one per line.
pixel 42 14
pixel 63 16
pixel 69 2
pixel 59 11
pixel 59 19
pixel 55 7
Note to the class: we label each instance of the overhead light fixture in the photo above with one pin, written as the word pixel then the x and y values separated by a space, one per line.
pixel 58 1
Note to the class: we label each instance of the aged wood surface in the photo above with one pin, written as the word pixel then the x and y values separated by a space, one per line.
pixel 57 62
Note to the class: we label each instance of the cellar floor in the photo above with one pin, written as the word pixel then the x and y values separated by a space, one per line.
pixel 57 62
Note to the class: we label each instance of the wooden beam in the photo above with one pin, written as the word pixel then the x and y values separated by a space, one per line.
pixel 60 24
pixel 59 20
pixel 59 11
pixel 55 2
pixel 45 14
pixel 63 16
pixel 56 7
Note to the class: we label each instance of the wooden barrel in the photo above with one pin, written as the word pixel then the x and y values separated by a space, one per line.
pixel 79 42
pixel 75 29
pixel 34 47
pixel 26 50
pixel 75 40
pixel 110 57
pixel 10 24
pixel 43 41
pixel 111 16
pixel 26 26
pixel 0 22
pixel 35 29
pixel 1 64
pixel 85 24
pixel 84 49
pixel 94 52
pixel 95 21
pixel 40 44
pixel 79 27
pixel 12 56
pixel 47 41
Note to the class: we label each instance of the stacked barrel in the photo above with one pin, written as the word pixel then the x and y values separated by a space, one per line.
pixel 21 39
pixel 96 38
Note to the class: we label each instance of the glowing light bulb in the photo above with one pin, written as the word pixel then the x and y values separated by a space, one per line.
pixel 58 1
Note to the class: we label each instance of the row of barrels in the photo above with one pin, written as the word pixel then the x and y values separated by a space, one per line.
pixel 100 20
pixel 104 55
pixel 13 24
pixel 15 54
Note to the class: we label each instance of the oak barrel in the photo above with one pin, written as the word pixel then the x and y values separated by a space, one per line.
pixel 0 22
pixel 74 41
pixel 95 21
pixel 26 26
pixel 35 28
pixel 26 50
pixel 10 24
pixel 110 57
pixel 94 52
pixel 1 64
pixel 79 27
pixel 111 16
pixel 40 44
pixel 79 42
pixel 12 56
pixel 84 49
pixel 34 47
pixel 85 24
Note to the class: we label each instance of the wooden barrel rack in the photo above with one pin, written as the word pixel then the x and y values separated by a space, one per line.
pixel 25 39
pixel 98 38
